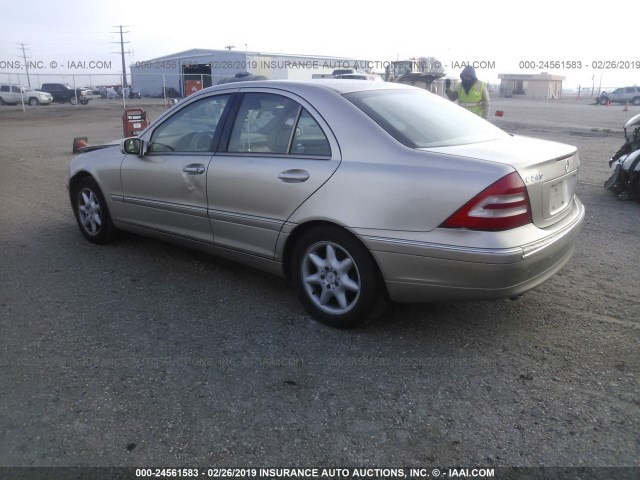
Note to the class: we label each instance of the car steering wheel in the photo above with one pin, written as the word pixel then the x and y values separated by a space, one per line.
pixel 201 142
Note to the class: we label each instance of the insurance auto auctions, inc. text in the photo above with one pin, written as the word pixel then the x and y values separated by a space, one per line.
pixel 384 473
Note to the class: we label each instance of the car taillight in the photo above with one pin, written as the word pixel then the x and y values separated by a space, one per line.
pixel 501 206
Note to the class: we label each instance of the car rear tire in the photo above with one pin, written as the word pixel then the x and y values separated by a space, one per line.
pixel 92 213
pixel 636 101
pixel 34 102
pixel 336 278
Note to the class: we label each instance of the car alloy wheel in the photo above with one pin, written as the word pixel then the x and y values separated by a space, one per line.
pixel 73 100
pixel 336 278
pixel 92 212
pixel 331 278
pixel 34 102
pixel 89 211
pixel 636 101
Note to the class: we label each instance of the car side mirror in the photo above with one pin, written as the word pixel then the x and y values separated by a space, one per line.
pixel 132 146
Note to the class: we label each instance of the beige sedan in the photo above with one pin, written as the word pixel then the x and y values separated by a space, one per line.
pixel 358 192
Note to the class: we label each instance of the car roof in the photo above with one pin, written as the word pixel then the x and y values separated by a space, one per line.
pixel 340 86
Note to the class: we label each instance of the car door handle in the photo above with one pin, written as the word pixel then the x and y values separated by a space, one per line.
pixel 194 169
pixel 294 176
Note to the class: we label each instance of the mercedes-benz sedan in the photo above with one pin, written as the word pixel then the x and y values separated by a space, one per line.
pixel 358 192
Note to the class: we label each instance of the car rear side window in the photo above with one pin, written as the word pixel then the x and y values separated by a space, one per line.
pixel 270 123
pixel 191 129
pixel 308 137
pixel 419 119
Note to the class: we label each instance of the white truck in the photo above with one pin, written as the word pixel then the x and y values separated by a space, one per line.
pixel 15 94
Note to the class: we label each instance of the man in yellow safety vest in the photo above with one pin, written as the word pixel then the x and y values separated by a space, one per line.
pixel 471 93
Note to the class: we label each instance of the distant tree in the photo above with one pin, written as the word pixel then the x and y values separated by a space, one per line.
pixel 430 65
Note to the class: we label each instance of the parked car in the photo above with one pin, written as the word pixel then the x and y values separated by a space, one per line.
pixel 14 94
pixel 358 192
pixel 110 93
pixel 131 94
pixel 238 77
pixel 113 93
pixel 625 164
pixel 10 94
pixel 348 74
pixel 621 95
pixel 36 97
pixel 63 93
pixel 90 92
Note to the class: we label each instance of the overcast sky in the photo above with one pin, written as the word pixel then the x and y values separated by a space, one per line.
pixel 504 33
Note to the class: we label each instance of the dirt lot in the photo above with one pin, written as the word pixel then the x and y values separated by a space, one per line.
pixel 145 354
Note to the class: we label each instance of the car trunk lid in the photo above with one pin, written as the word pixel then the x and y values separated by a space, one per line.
pixel 548 169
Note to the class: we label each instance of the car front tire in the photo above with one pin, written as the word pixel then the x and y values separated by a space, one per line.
pixel 34 102
pixel 636 101
pixel 336 278
pixel 92 213
pixel 73 100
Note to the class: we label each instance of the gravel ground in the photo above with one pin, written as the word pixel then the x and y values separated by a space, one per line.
pixel 145 354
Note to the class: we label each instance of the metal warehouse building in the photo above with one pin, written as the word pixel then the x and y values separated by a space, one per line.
pixel 182 73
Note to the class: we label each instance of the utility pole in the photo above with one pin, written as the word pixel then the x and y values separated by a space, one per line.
pixel 26 65
pixel 122 52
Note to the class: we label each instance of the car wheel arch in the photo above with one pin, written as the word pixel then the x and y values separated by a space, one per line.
pixel 298 231
pixel 77 178
pixel 357 292
pixel 91 210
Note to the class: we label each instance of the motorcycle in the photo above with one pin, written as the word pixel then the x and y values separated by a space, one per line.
pixel 625 163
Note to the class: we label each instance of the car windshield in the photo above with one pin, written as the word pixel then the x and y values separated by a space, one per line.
pixel 419 119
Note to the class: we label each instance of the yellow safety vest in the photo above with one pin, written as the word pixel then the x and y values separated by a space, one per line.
pixel 472 101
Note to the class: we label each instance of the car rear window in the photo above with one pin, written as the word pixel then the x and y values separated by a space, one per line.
pixel 419 119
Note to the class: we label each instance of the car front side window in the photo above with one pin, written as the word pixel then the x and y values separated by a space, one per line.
pixel 191 129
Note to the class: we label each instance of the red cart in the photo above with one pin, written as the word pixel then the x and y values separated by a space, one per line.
pixel 134 120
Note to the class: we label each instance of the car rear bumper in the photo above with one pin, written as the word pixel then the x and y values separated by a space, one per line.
pixel 417 271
